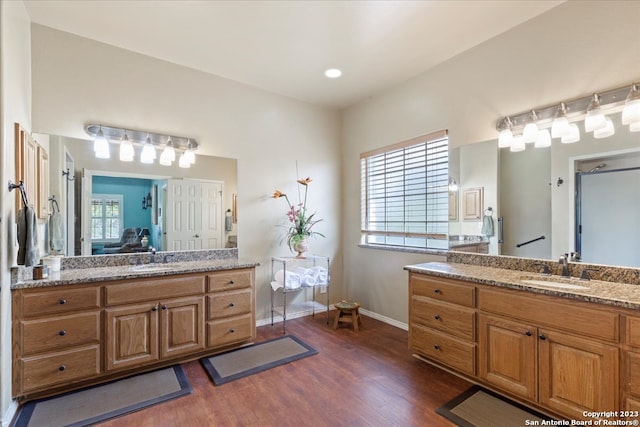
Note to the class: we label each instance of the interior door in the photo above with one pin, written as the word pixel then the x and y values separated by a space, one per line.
pixel 609 210
pixel 194 214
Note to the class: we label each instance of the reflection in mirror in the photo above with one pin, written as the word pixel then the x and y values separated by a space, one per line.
pixel 559 192
pixel 111 205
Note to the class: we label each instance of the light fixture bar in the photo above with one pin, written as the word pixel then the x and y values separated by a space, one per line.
pixel 611 101
pixel 140 137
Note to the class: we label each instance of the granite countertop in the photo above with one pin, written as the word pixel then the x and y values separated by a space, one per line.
pixel 100 274
pixel 596 291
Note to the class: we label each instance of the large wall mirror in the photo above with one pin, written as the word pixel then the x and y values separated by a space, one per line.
pixel 108 206
pixel 582 197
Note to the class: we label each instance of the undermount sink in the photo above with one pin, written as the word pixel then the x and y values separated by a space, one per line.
pixel 150 267
pixel 553 284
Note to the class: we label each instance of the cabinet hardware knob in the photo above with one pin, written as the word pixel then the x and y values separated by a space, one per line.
pixel 62 333
pixel 437 291
pixel 231 330
pixel 437 317
pixel 437 347
pixel 62 301
pixel 528 333
pixel 164 307
pixel 154 308
pixel 231 304
pixel 231 282
pixel 196 236
pixel 62 368
pixel 543 337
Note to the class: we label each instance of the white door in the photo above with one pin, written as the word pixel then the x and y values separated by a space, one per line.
pixel 70 205
pixel 193 215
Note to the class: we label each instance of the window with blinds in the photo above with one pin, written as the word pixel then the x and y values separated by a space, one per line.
pixel 106 217
pixel 405 197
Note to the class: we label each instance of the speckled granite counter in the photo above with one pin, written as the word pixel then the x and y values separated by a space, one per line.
pixel 100 274
pixel 597 291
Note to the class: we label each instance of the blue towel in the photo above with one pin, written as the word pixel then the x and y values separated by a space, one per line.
pixel 28 252
pixel 487 225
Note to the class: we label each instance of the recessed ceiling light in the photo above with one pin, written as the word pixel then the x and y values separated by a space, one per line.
pixel 333 73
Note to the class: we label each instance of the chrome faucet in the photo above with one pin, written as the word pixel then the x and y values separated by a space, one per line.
pixel 564 262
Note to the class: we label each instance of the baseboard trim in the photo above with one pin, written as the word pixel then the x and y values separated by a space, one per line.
pixel 295 315
pixel 385 319
pixel 11 411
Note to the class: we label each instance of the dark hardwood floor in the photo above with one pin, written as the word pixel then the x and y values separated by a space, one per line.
pixel 367 378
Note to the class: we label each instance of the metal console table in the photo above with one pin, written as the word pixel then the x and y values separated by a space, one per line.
pixel 295 274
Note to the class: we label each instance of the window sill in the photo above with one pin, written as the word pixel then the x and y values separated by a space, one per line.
pixel 442 252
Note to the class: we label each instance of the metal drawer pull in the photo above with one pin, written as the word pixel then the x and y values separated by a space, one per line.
pixel 437 347
pixel 62 368
pixel 62 301
pixel 437 317
pixel 154 308
pixel 231 282
pixel 231 330
pixel 231 304
pixel 164 307
pixel 528 333
pixel 437 291
pixel 62 333
pixel 543 337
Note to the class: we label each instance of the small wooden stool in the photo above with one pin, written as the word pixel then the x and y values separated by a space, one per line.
pixel 348 313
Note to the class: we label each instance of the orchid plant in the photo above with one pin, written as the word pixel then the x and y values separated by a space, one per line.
pixel 301 223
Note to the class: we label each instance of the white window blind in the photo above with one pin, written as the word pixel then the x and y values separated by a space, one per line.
pixel 106 217
pixel 405 198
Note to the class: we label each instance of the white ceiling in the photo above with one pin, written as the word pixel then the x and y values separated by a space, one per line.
pixel 285 46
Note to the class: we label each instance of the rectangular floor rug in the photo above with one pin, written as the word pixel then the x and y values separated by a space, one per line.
pixel 102 402
pixel 235 364
pixel 478 407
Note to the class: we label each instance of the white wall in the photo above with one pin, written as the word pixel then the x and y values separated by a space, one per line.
pixel 570 51
pixel 78 81
pixel 15 106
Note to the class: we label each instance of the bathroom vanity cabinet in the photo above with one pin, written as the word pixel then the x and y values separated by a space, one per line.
pixel 69 336
pixel 560 355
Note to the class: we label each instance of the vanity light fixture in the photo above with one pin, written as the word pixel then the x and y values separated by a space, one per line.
pixel 606 131
pixel 631 111
pixel 530 129
pixel 560 125
pixel 543 139
pixel 506 135
pixel 148 154
pixel 572 136
pixel 183 162
pixel 453 185
pixel 168 155
pixel 101 145
pixel 517 144
pixel 561 118
pixel 189 154
pixel 595 119
pixel 127 152
pixel 128 139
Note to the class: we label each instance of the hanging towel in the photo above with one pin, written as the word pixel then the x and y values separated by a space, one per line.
pixel 56 232
pixel 487 225
pixel 28 253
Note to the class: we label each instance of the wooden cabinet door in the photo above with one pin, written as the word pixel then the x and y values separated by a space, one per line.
pixel 182 325
pixel 507 355
pixel 131 335
pixel 577 374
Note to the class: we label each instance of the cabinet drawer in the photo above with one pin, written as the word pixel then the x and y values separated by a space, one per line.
pixel 632 372
pixel 542 310
pixel 632 330
pixel 60 368
pixel 59 301
pixel 443 348
pixel 228 280
pixel 227 304
pixel 59 332
pixel 442 289
pixel 452 319
pixel 227 331
pixel 154 290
